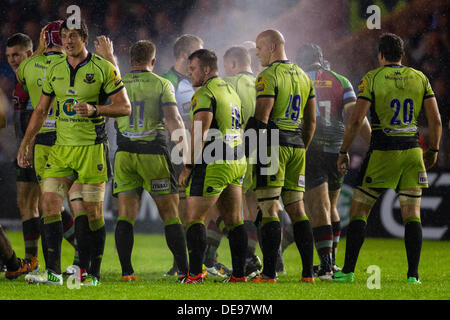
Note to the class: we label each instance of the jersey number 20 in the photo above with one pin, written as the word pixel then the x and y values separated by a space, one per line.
pixel 408 110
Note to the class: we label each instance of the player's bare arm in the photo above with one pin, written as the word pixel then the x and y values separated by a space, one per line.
pixel 120 107
pixel 351 131
pixel 197 143
pixel 434 131
pixel 173 121
pixel 25 154
pixel 365 131
pixel 309 121
pixel 263 108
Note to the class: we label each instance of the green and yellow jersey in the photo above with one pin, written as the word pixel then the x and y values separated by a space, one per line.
pixel 31 74
pixel 244 85
pixel 292 88
pixel 183 91
pixel 91 81
pixel 148 94
pixel 219 97
pixel 396 94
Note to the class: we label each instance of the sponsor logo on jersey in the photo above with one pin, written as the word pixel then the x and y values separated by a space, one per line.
pixel 362 86
pixel 89 78
pixel 323 83
pixel 115 76
pixel 160 184
pixel 67 107
pixel 260 83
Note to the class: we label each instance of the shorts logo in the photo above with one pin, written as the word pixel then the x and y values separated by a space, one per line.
pixel 160 184
pixel 89 78
pixel 100 167
pixel 68 107
pixel 423 178
pixel 301 180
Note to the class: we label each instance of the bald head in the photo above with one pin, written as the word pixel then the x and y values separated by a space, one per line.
pixel 272 36
pixel 270 47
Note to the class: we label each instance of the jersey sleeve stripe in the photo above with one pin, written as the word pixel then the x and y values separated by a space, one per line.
pixel 202 109
pixel 428 96
pixel 365 98
pixel 266 96
pixel 51 94
pixel 168 104
pixel 115 91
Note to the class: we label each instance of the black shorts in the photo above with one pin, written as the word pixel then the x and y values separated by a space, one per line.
pixel 321 167
pixel 25 174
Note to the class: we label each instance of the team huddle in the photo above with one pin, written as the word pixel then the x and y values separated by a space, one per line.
pixel 219 156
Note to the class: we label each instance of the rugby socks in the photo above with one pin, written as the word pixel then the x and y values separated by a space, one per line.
pixel 323 238
pixel 336 226
pixel 196 244
pixel 31 234
pixel 82 232
pixel 413 245
pixel 270 244
pixel 355 239
pixel 44 242
pixel 238 238
pixel 305 244
pixel 213 238
pixel 97 239
pixel 252 237
pixel 176 241
pixel 69 233
pixel 124 236
pixel 53 231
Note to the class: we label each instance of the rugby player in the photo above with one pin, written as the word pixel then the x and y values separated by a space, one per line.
pixel 335 98
pixel 285 102
pixel 80 84
pixel 178 75
pixel 215 180
pixel 395 95
pixel 142 160
pixel 18 48
pixel 30 74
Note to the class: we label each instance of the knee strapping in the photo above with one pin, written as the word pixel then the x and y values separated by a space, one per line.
pixel 291 196
pixel 93 193
pixel 55 186
pixel 409 197
pixel 365 195
pixel 267 199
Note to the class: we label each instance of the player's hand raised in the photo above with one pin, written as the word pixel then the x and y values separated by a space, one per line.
pixel 104 47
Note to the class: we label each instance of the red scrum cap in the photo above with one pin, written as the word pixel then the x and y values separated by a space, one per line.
pixel 52 33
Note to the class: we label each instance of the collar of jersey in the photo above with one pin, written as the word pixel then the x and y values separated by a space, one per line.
pixel 211 79
pixel 394 65
pixel 82 63
pixel 247 73
pixel 50 53
pixel 139 71
pixel 180 75
pixel 280 61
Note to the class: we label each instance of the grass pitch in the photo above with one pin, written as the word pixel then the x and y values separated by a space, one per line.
pixel 151 258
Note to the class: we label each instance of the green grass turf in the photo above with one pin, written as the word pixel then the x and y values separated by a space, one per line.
pixel 151 258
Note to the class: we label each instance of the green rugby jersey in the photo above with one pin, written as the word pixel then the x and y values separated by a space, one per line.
pixel 396 94
pixel 91 81
pixel 148 94
pixel 292 88
pixel 244 85
pixel 183 91
pixel 219 97
pixel 31 74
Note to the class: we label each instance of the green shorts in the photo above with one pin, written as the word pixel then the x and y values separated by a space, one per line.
pixel 41 153
pixel 290 173
pixel 394 169
pixel 88 164
pixel 211 179
pixel 152 172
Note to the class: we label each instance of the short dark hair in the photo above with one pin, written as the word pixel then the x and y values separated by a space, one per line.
pixel 206 57
pixel 82 31
pixel 391 47
pixel 185 43
pixel 309 54
pixel 240 54
pixel 142 52
pixel 20 39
